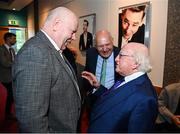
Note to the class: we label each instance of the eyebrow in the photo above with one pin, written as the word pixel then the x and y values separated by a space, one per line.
pixel 133 22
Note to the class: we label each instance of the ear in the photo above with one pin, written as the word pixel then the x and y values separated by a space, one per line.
pixel 56 24
pixel 135 66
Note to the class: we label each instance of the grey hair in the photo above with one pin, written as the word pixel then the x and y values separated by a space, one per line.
pixel 143 60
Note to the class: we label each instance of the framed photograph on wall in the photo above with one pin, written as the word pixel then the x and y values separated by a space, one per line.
pixel 134 24
pixel 86 31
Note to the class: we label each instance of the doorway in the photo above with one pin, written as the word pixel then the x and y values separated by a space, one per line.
pixel 21 36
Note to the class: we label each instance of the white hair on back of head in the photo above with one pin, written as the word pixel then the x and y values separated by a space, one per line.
pixel 141 56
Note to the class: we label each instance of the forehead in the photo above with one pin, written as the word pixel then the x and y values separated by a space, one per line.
pixel 133 16
pixel 103 40
pixel 72 23
pixel 127 50
pixel 84 23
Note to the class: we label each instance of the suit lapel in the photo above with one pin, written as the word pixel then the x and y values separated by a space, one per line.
pixel 115 97
pixel 62 62
pixel 65 66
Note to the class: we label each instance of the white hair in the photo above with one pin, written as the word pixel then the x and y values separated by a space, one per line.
pixel 143 60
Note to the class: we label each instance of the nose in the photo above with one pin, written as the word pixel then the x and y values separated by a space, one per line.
pixel 74 36
pixel 117 59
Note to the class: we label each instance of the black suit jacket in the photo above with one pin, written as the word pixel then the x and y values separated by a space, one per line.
pixel 5 64
pixel 89 42
pixel 91 62
pixel 137 37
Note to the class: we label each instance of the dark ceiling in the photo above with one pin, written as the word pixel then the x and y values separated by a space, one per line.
pixel 6 1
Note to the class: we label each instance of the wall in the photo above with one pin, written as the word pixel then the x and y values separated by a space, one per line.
pixel 30 20
pixel 13 15
pixel 172 57
pixel 107 18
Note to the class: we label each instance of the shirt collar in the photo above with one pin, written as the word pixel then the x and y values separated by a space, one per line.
pixel 52 41
pixel 125 41
pixel 7 46
pixel 133 76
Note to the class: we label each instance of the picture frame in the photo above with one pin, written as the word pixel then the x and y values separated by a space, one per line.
pixel 134 28
pixel 91 18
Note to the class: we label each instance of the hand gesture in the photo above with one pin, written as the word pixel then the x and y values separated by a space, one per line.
pixel 91 78
pixel 176 120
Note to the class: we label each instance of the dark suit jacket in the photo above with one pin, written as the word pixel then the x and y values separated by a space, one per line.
pixel 89 42
pixel 137 37
pixel 47 98
pixel 91 63
pixel 71 58
pixel 5 64
pixel 130 108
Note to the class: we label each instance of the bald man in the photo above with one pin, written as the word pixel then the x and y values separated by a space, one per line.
pixel 46 93
pixel 103 52
pixel 130 105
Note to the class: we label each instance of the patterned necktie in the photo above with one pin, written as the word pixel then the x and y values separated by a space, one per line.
pixel 114 87
pixel 103 72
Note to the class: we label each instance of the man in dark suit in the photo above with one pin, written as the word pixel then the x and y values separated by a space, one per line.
pixel 131 27
pixel 7 55
pixel 46 93
pixel 104 50
pixel 86 38
pixel 131 104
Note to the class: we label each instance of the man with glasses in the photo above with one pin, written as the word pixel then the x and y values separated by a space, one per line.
pixel 100 61
pixel 104 52
pixel 130 105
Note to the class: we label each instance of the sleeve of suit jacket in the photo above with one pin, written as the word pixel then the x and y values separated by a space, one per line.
pixel 32 81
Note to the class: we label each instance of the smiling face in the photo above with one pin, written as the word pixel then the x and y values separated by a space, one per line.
pixel 61 25
pixel 131 21
pixel 104 44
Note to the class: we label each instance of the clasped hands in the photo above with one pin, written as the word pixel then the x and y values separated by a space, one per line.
pixel 91 78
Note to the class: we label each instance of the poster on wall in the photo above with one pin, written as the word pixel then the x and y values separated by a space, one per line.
pixel 86 31
pixel 134 24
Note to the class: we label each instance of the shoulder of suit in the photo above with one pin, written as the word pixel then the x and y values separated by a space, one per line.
pixel 91 50
pixel 89 33
pixel 116 50
pixel 3 47
pixel 173 87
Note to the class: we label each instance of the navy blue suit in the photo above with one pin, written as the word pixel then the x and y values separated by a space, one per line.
pixel 130 108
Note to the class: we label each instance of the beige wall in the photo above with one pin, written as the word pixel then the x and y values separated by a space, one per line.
pixel 30 20
pixel 107 18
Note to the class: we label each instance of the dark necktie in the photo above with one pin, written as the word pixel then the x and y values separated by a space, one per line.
pixel 103 72
pixel 114 87
pixel 11 53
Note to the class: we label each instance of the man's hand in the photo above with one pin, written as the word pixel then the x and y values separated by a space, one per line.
pixel 176 120
pixel 91 78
